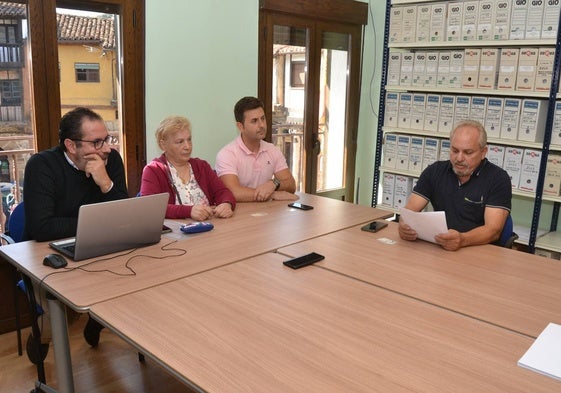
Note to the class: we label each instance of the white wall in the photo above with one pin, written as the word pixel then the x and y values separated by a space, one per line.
pixel 201 57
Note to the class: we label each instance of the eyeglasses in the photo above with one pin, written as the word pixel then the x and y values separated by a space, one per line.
pixel 98 143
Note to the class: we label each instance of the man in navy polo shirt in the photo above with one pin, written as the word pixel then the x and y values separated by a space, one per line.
pixel 474 193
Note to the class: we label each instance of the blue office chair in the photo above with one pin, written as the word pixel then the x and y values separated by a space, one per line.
pixel 16 223
pixel 508 236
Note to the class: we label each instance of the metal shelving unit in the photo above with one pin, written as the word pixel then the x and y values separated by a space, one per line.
pixel 551 241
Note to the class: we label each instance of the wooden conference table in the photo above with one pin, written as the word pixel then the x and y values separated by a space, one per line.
pixel 258 326
pixel 256 228
pixel 507 288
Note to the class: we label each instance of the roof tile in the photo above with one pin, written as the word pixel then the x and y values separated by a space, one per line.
pixel 72 28
pixel 85 29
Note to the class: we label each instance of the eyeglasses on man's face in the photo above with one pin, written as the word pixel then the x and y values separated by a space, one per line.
pixel 98 143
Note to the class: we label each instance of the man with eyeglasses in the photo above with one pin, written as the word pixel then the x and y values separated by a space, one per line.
pixel 81 170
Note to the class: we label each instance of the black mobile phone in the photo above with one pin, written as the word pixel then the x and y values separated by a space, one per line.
pixel 374 226
pixel 304 260
pixel 301 206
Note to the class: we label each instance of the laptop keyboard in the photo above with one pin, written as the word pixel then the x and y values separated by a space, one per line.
pixel 70 247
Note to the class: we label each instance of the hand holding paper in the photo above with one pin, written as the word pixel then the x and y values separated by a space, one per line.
pixel 426 224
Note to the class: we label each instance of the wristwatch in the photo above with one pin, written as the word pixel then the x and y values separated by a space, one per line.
pixel 276 182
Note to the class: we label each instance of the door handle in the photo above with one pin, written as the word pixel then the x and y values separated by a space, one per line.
pixel 317 145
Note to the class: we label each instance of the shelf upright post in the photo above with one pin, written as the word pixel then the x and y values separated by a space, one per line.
pixel 554 217
pixel 381 106
pixel 554 88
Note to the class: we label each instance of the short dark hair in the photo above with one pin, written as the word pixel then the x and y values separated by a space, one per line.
pixel 71 124
pixel 246 104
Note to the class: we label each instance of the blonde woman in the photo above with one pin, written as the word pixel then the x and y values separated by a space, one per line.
pixel 195 191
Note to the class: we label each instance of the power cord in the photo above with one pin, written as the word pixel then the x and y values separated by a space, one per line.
pixel 127 265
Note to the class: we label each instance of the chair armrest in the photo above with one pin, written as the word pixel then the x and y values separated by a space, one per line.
pixel 6 239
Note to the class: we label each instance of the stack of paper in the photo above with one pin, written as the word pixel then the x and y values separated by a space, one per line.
pixel 544 356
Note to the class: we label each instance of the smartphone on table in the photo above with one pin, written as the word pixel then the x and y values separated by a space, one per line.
pixel 301 206
pixel 374 226
pixel 303 260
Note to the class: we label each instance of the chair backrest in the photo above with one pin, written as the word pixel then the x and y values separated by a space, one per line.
pixel 17 223
pixel 508 236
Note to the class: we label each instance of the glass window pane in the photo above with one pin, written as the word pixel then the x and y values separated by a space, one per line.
pixel 88 54
pixel 333 109
pixel 16 124
pixel 289 82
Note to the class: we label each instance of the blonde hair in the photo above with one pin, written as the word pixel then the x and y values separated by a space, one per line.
pixel 171 125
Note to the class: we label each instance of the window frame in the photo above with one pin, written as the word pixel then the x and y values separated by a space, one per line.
pixel 10 30
pixel 90 72
pixel 297 67
pixel 46 89
pixel 339 16
pixel 8 96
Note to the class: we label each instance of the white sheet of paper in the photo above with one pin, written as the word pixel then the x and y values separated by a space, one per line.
pixel 426 224
pixel 544 356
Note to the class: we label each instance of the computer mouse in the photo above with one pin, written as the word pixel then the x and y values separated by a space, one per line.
pixel 55 261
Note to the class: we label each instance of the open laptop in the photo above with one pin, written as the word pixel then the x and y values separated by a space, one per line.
pixel 108 227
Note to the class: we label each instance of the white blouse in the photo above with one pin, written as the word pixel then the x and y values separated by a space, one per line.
pixel 190 192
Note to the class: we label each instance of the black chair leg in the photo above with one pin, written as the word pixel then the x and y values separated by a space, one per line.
pixel 16 308
pixel 36 332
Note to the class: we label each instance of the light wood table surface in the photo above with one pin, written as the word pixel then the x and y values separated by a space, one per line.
pixel 258 326
pixel 256 228
pixel 509 288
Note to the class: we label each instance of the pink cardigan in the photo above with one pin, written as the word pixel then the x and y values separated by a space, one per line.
pixel 155 180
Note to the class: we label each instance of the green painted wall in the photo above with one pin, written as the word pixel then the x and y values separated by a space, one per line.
pixel 201 57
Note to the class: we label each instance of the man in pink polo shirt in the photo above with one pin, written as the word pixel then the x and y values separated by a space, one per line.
pixel 253 169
